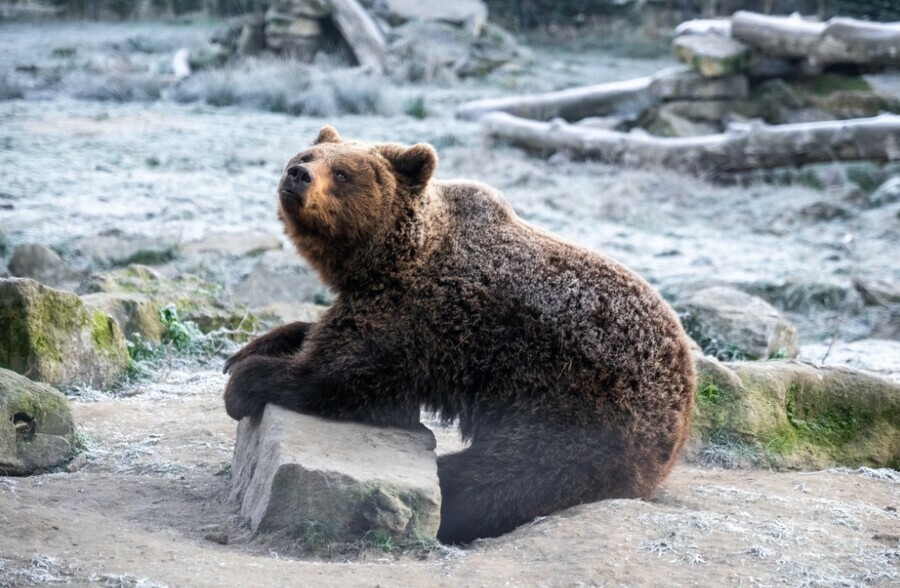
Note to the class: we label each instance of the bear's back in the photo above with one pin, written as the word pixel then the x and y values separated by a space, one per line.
pixel 555 305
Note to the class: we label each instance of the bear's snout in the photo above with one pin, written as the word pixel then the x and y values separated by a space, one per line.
pixel 295 181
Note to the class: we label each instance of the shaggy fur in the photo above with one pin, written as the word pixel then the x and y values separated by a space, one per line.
pixel 570 376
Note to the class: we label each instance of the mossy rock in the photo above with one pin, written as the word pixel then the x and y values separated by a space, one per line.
pixel 136 314
pixel 50 336
pixel 795 415
pixel 194 300
pixel 36 426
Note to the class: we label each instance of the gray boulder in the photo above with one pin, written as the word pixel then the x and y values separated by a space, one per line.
pixel 280 276
pixel 736 325
pixel 50 336
pixel 242 244
pixel 41 263
pixel 429 50
pixel 36 426
pixel 341 480
pixel 115 248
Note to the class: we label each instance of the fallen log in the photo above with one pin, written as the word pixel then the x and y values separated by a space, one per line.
pixel 625 99
pixel 361 33
pixel 616 98
pixel 839 40
pixel 741 148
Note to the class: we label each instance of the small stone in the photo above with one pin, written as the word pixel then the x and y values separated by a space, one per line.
pixel 78 462
pixel 52 337
pixel 291 471
pixel 732 323
pixel 712 55
pixel 36 426
pixel 217 537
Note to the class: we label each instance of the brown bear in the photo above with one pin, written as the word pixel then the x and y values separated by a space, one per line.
pixel 570 376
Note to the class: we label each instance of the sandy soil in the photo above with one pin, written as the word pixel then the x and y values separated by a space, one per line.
pixel 154 478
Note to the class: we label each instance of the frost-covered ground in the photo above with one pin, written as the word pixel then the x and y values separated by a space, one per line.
pixel 74 166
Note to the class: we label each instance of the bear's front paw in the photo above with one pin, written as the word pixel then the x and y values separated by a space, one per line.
pixel 239 405
pixel 245 392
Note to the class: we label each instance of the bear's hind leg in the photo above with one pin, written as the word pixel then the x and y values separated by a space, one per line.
pixel 493 487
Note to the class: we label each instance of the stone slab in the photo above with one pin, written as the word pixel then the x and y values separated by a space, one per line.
pixel 292 472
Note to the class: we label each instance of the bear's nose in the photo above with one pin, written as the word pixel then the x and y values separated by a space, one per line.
pixel 300 175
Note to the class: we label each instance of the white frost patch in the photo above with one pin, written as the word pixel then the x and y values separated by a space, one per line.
pixel 879 356
pixel 883 474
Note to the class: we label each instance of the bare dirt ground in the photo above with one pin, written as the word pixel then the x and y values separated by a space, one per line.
pixel 154 477
pixel 156 483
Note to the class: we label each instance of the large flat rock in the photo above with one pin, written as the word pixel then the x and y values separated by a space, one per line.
pixel 340 481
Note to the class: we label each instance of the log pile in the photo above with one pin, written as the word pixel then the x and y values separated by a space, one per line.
pixel 756 92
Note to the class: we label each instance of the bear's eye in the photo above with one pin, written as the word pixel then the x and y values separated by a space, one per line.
pixel 306 158
pixel 341 176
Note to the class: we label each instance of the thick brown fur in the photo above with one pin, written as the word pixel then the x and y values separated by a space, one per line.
pixel 570 376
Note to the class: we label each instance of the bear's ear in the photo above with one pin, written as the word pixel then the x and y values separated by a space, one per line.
pixel 415 165
pixel 327 134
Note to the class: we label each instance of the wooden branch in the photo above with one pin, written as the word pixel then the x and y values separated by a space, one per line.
pixel 840 40
pixel 741 148
pixel 361 33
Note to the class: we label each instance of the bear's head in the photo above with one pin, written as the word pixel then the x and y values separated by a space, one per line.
pixel 344 202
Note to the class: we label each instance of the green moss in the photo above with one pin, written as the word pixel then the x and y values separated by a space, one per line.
pixel 832 82
pixel 55 339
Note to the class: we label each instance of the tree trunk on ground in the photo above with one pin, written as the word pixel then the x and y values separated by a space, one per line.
pixel 840 40
pixel 361 33
pixel 571 104
pixel 741 148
